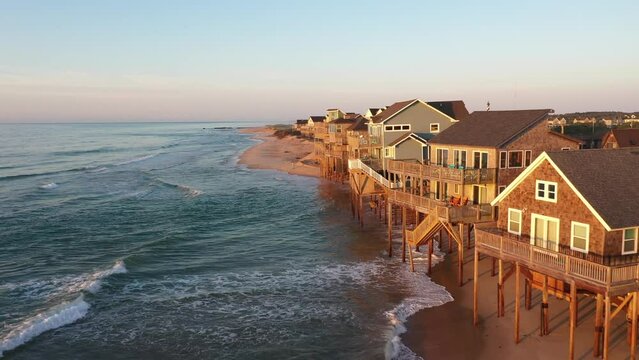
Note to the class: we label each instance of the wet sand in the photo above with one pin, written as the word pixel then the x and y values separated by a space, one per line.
pixel 447 331
pixel 289 154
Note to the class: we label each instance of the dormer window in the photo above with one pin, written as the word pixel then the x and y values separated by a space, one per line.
pixel 546 191
pixel 434 128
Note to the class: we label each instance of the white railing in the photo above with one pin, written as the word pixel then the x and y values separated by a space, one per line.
pixel 359 165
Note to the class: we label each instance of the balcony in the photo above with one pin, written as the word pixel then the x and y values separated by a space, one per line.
pixel 443 209
pixel 616 279
pixel 437 172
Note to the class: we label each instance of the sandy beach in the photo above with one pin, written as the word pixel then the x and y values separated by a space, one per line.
pixel 289 154
pixel 447 331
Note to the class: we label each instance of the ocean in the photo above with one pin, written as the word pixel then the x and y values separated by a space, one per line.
pixel 150 241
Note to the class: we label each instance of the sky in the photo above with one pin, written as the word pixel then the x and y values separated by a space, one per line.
pixel 156 60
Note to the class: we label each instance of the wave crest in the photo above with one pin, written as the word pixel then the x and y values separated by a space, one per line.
pixel 58 316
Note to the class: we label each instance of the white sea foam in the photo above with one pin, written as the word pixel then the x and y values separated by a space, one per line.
pixel 49 186
pixel 138 159
pixel 189 191
pixel 48 288
pixel 53 318
pixel 431 295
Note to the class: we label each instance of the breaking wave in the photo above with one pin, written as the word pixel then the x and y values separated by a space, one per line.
pixel 49 186
pixel 58 316
pixel 137 159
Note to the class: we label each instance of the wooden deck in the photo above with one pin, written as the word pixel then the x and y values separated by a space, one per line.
pixel 442 210
pixel 614 280
pixel 440 173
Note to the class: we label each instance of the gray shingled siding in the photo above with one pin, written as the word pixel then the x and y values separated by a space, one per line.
pixel 419 116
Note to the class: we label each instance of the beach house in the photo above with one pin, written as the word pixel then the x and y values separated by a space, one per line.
pixel 411 116
pixel 620 138
pixel 568 224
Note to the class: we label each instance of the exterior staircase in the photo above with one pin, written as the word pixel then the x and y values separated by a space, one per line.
pixel 424 230
pixel 358 164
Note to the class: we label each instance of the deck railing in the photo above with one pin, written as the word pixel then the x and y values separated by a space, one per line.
pixel 442 209
pixel 358 164
pixel 438 172
pixel 503 244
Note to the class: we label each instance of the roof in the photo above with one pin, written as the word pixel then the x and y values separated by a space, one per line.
pixel 419 137
pixel 605 180
pixel 392 111
pixel 361 124
pixel 626 137
pixel 491 128
pixel 343 121
pixel 318 118
pixel 567 137
pixel 302 121
pixel 455 109
pixel 333 110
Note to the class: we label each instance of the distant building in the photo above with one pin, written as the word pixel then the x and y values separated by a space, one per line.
pixel 620 138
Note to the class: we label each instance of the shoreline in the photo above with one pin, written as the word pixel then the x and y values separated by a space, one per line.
pixel 290 154
pixel 447 331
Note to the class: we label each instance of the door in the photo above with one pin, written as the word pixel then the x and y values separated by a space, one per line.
pixel 544 232
pixel 480 194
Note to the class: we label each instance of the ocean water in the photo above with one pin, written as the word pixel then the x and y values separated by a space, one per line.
pixel 149 241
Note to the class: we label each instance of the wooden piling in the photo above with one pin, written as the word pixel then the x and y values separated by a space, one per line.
pixel 633 330
pixel 517 301
pixel 573 320
pixel 596 349
pixel 403 234
pixel 607 323
pixel 461 255
pixel 476 288
pixel 430 255
pixel 390 229
pixel 544 307
pixel 500 286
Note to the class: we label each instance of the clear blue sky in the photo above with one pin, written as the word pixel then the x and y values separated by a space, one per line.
pixel 281 60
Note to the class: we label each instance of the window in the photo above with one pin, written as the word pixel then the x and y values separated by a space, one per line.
pixel 546 191
pixel 434 128
pixel 514 221
pixel 629 241
pixel 528 158
pixel 501 189
pixel 457 188
pixel 442 157
pixel 480 159
pixel 404 127
pixel 459 158
pixel 565 149
pixel 580 236
pixel 515 159
pixel 503 159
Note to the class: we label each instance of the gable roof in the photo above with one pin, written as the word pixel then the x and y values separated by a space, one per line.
pixel 392 110
pixel 625 137
pixel 302 121
pixel 348 120
pixel 455 109
pixel 421 138
pixel 361 124
pixel 604 179
pixel 318 118
pixel 567 137
pixel 491 128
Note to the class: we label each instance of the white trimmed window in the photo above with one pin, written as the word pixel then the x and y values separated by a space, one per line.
pixel 404 127
pixel 434 128
pixel 515 159
pixel 580 236
pixel 546 191
pixel 629 241
pixel 514 221
pixel 528 158
pixel 503 159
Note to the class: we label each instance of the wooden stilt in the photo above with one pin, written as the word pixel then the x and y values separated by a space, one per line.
pixel 450 242
pixel 573 320
pixel 528 294
pixel 468 237
pixel 430 255
pixel 461 255
pixel 633 331
pixel 390 229
pixel 517 301
pixel 403 234
pixel 544 307
pixel 410 258
pixel 352 204
pixel 361 210
pixel 475 288
pixel 500 285
pixel 606 336
pixel 596 349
